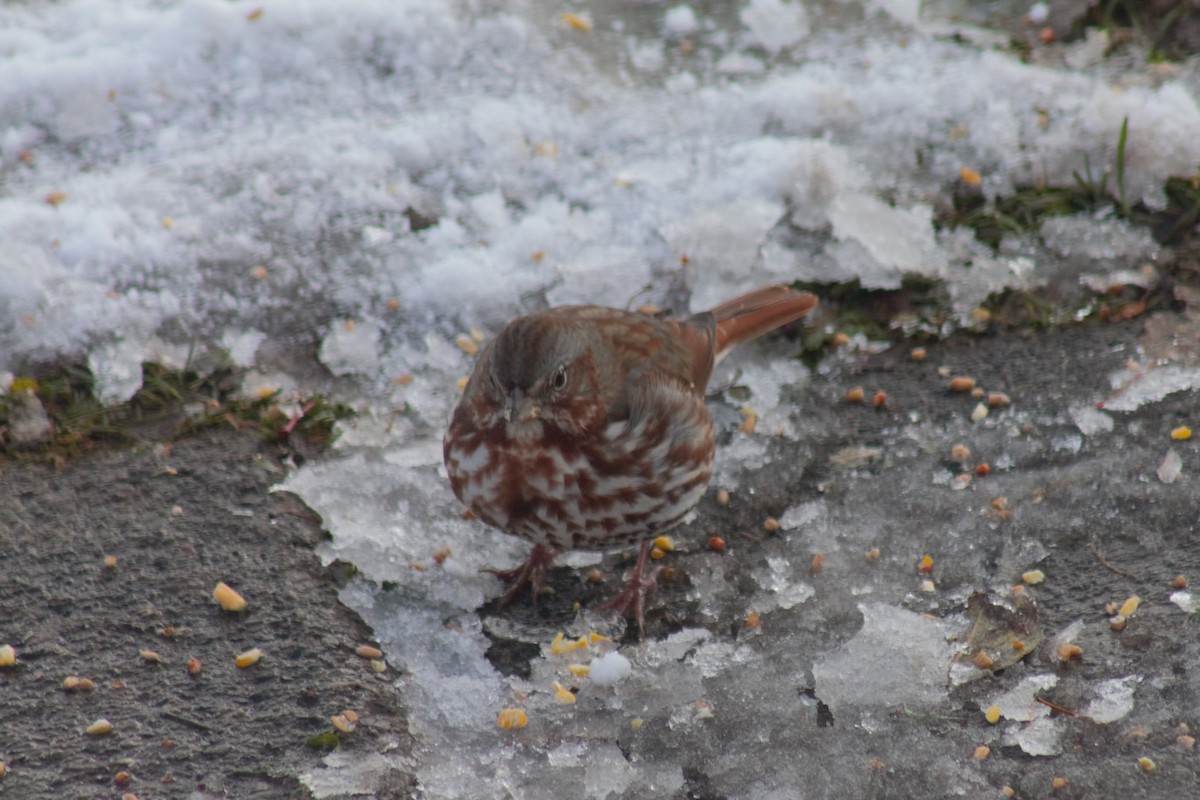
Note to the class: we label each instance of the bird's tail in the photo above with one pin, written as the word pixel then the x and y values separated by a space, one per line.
pixel 755 313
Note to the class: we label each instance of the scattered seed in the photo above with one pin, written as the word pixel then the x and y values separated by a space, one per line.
pixel 54 198
pixel 122 778
pixel 563 695
pixel 753 620
pixel 998 400
pixel 925 566
pixel 150 657
pixel 657 554
pixel 176 511
pixel 1008 791
pixel 1117 623
pixel 467 344
pixel 248 658
pixel 855 395
pixel 512 718
pixel 960 452
pixel 977 392
pixel 342 723
pixel 1047 36
pixel 770 525
pixel 872 554
pixel 1067 651
pixel 972 177
pixel 562 645
pixel 1018 645
pixel 70 683
pixel 880 399
pixel 982 752
pixel 367 651
pixel 228 599
pixel 8 655
pixel 926 586
pixel 636 723
pixel 1130 606
pixel 378 665
pixel 818 562
pixel 918 354
pixel 1111 608
pixel 1147 764
pixel 665 543
pixel 1000 503
pixel 1058 782
pixel 1033 577
pixel 982 469
pixel 982 660
pixel 1182 433
pixel 992 715
pixel 1180 582
pixel 392 304
pixel 194 666
pixel 441 554
pixel 839 339
pixel 259 273
pixel 110 562
pixel 595 576
pixel 961 383
pixel 716 544
pixel 943 372
pixel 750 421
pixel 979 413
pixel 461 383
pixel 579 670
pixel 1185 741
pixel 723 497
pixel 578 23
pixel 99 727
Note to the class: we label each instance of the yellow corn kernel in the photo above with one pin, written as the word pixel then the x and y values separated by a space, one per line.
pixel 248 658
pixel 511 718
pixel 1130 606
pixel 229 599
pixel 992 714
pixel 665 544
pixel 1182 433
pixel 579 670
pixel 563 695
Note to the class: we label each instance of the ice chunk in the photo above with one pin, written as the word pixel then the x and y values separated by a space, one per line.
pixel 1168 471
pixel 1114 699
pixel 610 668
pixel 1134 390
pixel 351 348
pixel 775 24
pixel 1039 737
pixel 1185 600
pixel 680 21
pixel 802 514
pixel 1090 420
pixel 897 658
pixel 1018 703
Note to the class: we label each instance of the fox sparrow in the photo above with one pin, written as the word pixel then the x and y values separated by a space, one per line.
pixel 585 427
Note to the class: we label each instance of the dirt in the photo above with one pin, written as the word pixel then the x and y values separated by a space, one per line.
pixel 177 520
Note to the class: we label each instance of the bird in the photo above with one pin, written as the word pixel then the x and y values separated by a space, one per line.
pixel 585 427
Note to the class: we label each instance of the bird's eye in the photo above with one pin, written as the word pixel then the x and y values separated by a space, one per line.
pixel 559 380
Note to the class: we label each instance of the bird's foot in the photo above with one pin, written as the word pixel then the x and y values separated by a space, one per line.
pixel 532 570
pixel 633 597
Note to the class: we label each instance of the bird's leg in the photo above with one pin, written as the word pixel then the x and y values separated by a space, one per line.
pixel 531 570
pixel 636 588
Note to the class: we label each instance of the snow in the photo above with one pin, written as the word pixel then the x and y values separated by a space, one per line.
pixel 330 194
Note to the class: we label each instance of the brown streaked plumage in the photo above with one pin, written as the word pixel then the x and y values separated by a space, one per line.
pixel 585 427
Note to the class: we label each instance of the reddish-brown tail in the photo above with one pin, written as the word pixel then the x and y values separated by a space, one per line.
pixel 761 311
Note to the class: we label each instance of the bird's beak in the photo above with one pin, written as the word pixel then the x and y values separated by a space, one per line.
pixel 519 408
